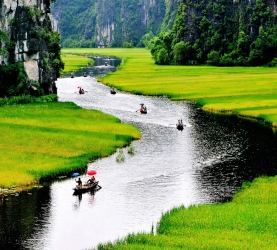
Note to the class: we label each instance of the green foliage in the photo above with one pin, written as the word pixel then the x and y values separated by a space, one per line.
pixel 77 22
pixel 131 150
pixel 25 99
pixel 4 42
pixel 161 48
pixel 120 156
pixel 145 40
pixel 246 35
pixel 127 45
pixel 182 52
pixel 13 80
pixel 213 58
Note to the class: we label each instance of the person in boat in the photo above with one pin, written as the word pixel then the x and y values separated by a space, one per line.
pixel 91 180
pixel 79 183
pixel 143 108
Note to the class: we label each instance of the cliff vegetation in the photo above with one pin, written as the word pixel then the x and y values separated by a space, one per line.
pixel 29 49
pixel 220 32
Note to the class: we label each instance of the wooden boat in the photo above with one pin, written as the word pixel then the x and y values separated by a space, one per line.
pixel 86 188
pixel 180 126
pixel 143 111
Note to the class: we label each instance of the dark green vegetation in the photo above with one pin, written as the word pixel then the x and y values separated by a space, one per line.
pixel 248 222
pixel 25 99
pixel 13 80
pixel 48 139
pixel 220 32
pixel 112 23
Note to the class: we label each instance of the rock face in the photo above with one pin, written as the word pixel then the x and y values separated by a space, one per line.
pixel 112 22
pixel 128 21
pixel 27 23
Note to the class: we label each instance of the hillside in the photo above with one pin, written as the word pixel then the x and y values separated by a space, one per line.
pixel 111 23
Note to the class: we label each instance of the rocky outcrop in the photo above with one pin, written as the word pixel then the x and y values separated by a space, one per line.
pixel 112 22
pixel 28 26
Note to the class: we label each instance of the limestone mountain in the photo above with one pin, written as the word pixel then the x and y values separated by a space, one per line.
pixel 29 48
pixel 95 23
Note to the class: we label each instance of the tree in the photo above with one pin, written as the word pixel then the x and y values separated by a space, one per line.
pixel 213 58
pixel 181 52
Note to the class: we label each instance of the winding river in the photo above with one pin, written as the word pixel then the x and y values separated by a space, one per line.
pixel 205 163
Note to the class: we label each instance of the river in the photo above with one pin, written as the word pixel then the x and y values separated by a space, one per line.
pixel 205 163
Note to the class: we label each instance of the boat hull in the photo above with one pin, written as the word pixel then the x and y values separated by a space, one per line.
pixel 180 126
pixel 86 188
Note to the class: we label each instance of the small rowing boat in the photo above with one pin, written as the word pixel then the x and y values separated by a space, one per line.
pixel 180 126
pixel 86 187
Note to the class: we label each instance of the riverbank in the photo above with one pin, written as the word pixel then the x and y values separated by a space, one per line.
pixel 42 141
pixel 248 221
pixel 245 91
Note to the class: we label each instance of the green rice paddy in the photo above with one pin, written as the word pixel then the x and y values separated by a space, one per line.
pixel 74 62
pixel 51 139
pixel 249 220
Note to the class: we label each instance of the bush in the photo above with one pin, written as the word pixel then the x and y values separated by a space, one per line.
pixel 213 58
pixel 226 60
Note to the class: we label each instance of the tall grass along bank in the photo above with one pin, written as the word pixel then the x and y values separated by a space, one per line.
pixel 248 222
pixel 246 91
pixel 44 140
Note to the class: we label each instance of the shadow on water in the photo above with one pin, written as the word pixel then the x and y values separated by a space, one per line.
pixel 205 163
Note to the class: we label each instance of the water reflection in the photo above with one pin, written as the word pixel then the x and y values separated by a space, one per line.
pixel 101 66
pixel 204 163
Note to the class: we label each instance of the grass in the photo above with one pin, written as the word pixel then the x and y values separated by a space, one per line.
pixel 246 91
pixel 49 139
pixel 74 62
pixel 249 220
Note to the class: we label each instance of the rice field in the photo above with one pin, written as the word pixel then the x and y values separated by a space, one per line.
pixel 50 139
pixel 74 62
pixel 247 91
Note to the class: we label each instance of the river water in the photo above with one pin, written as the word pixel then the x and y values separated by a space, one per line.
pixel 205 163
